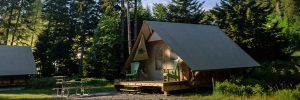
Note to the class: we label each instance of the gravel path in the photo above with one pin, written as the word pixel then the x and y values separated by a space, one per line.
pixel 119 96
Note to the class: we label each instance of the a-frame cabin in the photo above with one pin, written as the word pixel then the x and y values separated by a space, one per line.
pixel 175 56
pixel 16 65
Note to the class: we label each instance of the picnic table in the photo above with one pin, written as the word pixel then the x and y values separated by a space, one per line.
pixel 63 85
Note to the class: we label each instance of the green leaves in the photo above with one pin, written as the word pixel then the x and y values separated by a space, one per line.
pixel 180 11
pixel 104 51
pixel 247 23
pixel 67 35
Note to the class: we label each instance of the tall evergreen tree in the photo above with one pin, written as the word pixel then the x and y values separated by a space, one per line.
pixel 53 49
pixel 246 22
pixel 159 12
pixel 17 21
pixel 105 49
pixel 185 11
pixel 71 24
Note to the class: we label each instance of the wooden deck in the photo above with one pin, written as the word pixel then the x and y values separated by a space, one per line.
pixel 165 86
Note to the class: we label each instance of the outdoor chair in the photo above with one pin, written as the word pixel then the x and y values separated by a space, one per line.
pixel 133 71
pixel 171 73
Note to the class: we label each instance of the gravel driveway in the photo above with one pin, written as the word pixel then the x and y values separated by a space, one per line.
pixel 119 96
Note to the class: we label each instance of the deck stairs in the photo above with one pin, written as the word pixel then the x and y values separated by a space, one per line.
pixel 131 89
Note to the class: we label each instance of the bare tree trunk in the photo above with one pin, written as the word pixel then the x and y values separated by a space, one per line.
pixel 128 28
pixel 122 56
pixel 35 22
pixel 82 39
pixel 8 25
pixel 32 37
pixel 81 52
pixel 135 21
pixel 17 23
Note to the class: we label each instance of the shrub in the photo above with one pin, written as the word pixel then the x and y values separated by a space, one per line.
pixel 286 73
pixel 287 94
pixel 42 83
pixel 97 82
pixel 229 88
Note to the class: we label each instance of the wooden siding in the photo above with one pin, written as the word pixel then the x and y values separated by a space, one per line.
pixel 13 80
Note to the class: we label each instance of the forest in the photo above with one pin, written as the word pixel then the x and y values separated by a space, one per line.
pixel 92 38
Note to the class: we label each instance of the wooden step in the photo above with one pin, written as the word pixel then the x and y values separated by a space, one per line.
pixel 129 90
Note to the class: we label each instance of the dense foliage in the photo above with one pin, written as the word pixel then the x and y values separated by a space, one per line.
pixel 246 22
pixel 19 21
pixel 61 47
pixel 270 77
pixel 104 51
pixel 180 11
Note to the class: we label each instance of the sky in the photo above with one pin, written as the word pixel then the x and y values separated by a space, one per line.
pixel 207 5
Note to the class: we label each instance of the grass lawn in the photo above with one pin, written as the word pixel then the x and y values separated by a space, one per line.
pixel 281 95
pixel 211 97
pixel 48 93
pixel 27 94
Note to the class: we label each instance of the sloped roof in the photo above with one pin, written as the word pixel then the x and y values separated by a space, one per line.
pixel 202 47
pixel 16 60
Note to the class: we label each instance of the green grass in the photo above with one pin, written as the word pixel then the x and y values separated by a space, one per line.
pixel 219 96
pixel 94 86
pixel 27 94
pixel 199 97
pixel 285 94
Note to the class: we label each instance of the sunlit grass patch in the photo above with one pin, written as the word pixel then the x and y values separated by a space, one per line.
pixel 42 89
pixel 24 96
pixel 230 97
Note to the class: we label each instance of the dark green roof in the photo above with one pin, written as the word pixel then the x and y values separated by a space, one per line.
pixel 202 47
pixel 16 60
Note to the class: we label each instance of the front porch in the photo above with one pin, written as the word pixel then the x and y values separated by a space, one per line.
pixel 165 86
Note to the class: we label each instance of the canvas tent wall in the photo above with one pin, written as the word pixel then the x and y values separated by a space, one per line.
pixel 160 58
pixel 201 47
pixel 16 63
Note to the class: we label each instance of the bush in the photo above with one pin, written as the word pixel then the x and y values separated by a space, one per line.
pixel 42 83
pixel 277 74
pixel 287 94
pixel 229 88
pixel 97 82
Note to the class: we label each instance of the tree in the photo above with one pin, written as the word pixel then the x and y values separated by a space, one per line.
pixel 185 11
pixel 286 13
pixel 246 22
pixel 54 46
pixel 104 52
pixel 159 12
pixel 87 21
pixel 68 35
pixel 17 21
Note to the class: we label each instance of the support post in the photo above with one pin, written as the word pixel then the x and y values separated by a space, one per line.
pixel 166 93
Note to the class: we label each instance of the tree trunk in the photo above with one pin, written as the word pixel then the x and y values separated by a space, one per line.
pixel 8 25
pixel 82 53
pixel 17 23
pixel 35 22
pixel 122 56
pixel 128 28
pixel 135 21
pixel 82 39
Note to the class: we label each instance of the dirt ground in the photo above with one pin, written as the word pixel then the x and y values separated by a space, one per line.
pixel 125 96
